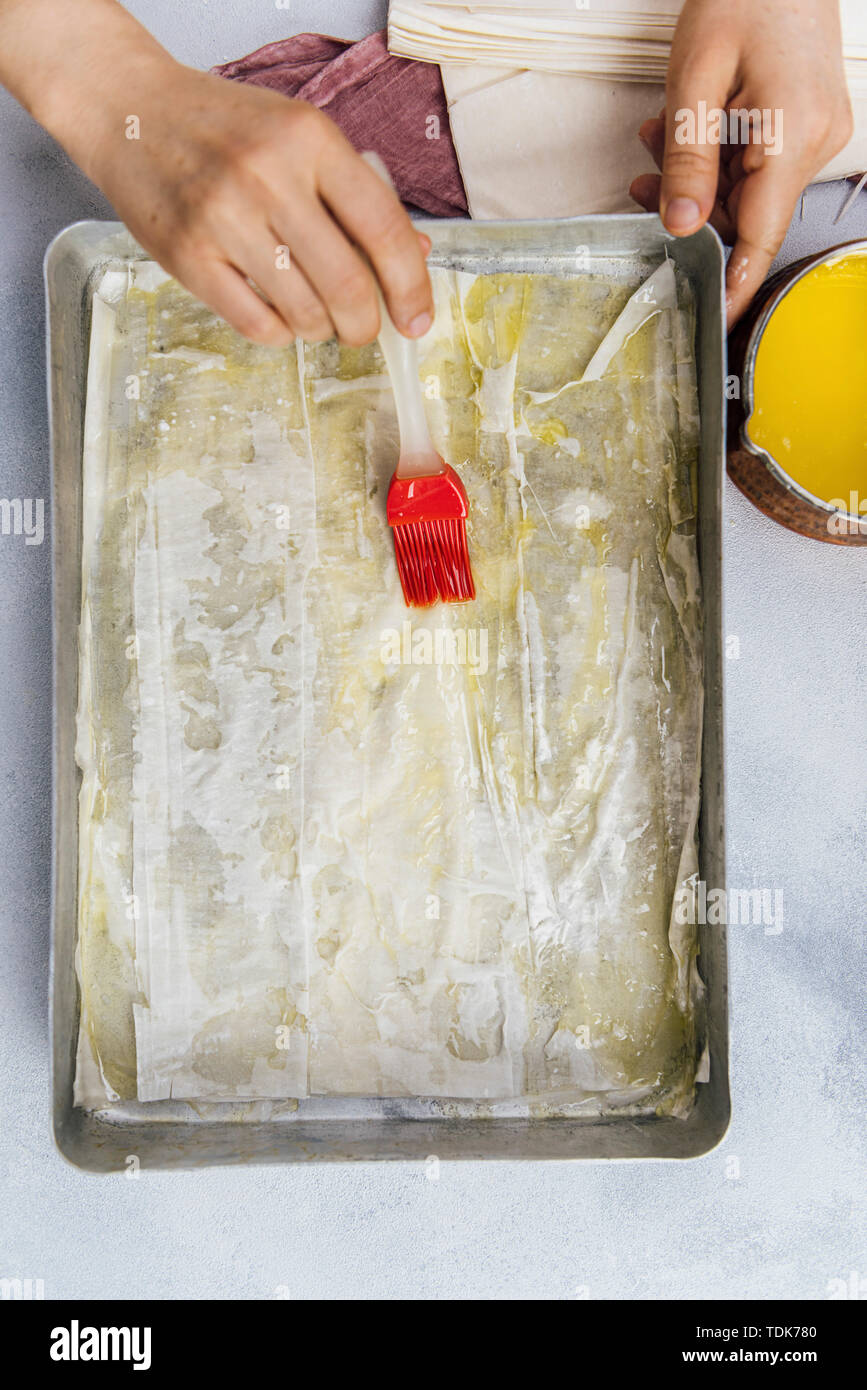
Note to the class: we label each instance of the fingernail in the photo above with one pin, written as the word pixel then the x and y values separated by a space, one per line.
pixel 419 325
pixel 681 213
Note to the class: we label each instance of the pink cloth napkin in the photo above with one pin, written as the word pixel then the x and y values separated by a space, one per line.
pixel 395 106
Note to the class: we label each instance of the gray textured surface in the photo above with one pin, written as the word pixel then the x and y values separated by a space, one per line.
pixel 777 1210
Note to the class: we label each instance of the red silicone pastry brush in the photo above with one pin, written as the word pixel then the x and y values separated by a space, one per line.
pixel 427 504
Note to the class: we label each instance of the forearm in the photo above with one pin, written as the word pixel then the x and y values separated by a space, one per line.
pixel 76 67
pixel 211 176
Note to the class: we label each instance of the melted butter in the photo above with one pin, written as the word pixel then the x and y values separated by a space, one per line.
pixel 811 381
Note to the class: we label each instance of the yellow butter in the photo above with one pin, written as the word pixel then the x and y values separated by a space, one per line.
pixel 810 388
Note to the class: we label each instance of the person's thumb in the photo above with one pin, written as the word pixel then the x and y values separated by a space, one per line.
pixel 690 167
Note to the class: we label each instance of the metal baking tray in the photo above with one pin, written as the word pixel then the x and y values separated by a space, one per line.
pixel 172 1135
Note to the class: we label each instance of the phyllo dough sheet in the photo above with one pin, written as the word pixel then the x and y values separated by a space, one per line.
pixel 332 846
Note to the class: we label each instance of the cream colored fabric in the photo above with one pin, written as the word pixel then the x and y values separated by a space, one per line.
pixel 534 144
pixel 332 847
pixel 559 143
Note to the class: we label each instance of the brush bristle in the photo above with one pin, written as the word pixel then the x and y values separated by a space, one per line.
pixel 433 562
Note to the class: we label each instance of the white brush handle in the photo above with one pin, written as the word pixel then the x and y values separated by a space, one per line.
pixel 418 457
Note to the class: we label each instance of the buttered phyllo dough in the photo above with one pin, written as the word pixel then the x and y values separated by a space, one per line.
pixel 331 846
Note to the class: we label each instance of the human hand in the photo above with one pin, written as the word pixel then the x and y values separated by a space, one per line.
pixel 783 57
pixel 221 182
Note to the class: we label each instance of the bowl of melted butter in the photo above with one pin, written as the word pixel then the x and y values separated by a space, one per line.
pixel 798 433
